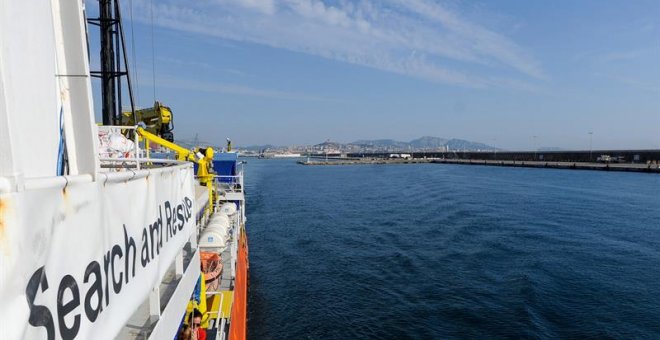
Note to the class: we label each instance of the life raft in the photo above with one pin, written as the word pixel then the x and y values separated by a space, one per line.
pixel 211 263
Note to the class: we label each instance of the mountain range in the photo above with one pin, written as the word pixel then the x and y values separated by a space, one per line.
pixel 426 142
pixel 419 144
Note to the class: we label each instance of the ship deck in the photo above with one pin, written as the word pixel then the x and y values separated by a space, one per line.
pixel 141 325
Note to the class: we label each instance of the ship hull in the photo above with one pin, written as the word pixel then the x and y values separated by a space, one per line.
pixel 238 329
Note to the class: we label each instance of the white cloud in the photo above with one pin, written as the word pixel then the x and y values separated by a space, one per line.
pixel 416 38
pixel 226 88
pixel 479 41
pixel 265 6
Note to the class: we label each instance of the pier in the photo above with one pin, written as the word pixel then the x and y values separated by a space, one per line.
pixel 632 167
pixel 583 156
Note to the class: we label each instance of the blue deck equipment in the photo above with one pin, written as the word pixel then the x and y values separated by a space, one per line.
pixel 225 164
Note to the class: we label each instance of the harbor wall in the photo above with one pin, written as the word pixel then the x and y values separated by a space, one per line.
pixel 626 156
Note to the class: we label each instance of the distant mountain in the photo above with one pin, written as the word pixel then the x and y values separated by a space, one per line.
pixel 258 147
pixel 329 145
pixel 391 143
pixel 428 142
pixel 460 144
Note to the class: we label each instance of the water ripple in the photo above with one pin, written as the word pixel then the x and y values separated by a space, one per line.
pixel 450 251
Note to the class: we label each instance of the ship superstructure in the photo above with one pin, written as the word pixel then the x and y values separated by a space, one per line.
pixel 97 238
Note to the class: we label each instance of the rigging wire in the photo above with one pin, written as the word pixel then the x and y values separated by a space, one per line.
pixel 153 53
pixel 135 71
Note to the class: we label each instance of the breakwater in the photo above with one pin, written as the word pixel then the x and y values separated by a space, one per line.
pixel 631 167
pixel 624 156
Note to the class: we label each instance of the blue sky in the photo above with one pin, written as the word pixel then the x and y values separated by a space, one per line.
pixel 303 71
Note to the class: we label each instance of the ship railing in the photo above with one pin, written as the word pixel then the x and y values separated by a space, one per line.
pixel 219 315
pixel 159 314
pixel 229 183
pixel 134 158
pixel 167 300
pixel 221 318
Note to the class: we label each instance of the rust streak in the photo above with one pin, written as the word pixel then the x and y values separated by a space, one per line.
pixel 3 205
pixel 4 212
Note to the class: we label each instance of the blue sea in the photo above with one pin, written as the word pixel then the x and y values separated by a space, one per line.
pixel 435 251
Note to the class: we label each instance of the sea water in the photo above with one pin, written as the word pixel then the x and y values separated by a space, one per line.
pixel 439 251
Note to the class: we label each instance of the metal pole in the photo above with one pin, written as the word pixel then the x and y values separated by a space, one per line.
pixel 107 62
pixel 117 72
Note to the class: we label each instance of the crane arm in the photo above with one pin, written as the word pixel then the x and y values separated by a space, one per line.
pixel 182 153
pixel 204 173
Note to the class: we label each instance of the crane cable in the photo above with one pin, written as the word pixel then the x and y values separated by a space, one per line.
pixel 135 71
pixel 153 53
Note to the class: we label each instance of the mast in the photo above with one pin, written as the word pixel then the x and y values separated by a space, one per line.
pixel 106 23
pixel 113 51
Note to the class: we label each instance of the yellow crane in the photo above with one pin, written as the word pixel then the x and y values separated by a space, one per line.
pixel 202 156
pixel 158 120
pixel 158 126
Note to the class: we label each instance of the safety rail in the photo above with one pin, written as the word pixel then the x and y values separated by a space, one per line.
pixel 136 163
pixel 220 317
pixel 108 155
pixel 136 158
pixel 229 183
